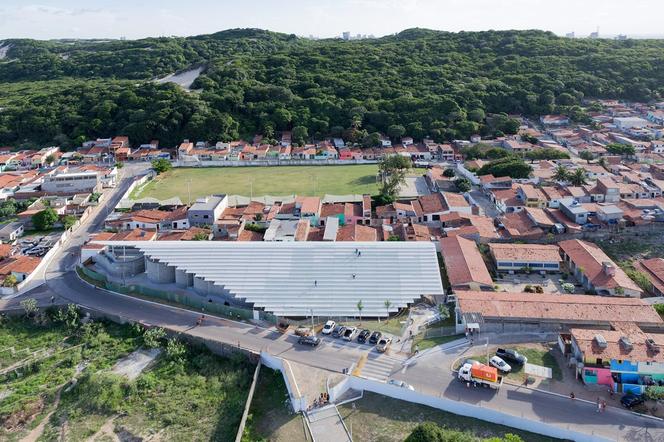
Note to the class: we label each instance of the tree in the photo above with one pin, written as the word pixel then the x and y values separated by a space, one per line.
pixel 299 135
pixel 119 164
pixel 578 177
pixel 201 236
pixel 360 307
pixel 49 159
pixel 511 166
pixel 387 305
pixel 567 287
pixel 394 237
pixel 153 336
pixel 443 311
pixel 30 306
pixel 175 350
pixel 621 149
pixel 10 281
pixel 449 172
pixel 68 221
pixel 427 432
pixel 561 173
pixel 393 170
pixel 396 131
pixel 587 155
pixel 463 185
pixel 161 165
pixel 45 219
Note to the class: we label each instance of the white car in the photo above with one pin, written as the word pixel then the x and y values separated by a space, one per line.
pixel 401 384
pixel 328 327
pixel 500 364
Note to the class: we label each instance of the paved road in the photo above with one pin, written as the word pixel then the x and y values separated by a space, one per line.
pixel 429 373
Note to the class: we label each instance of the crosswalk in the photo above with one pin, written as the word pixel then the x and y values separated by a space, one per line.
pixel 380 367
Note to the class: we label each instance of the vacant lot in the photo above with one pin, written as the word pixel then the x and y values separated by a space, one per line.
pixel 380 418
pixel 62 388
pixel 286 180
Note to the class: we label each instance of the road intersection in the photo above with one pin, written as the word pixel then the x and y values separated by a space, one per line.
pixel 428 373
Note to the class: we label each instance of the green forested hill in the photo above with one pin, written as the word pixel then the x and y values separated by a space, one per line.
pixel 418 82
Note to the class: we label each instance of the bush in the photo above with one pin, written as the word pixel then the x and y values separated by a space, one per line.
pixel 152 337
pixel 102 392
pixel 161 165
pixel 568 287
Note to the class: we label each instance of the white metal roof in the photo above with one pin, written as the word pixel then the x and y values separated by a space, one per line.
pixel 293 278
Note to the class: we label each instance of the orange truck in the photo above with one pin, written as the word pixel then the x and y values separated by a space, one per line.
pixel 480 374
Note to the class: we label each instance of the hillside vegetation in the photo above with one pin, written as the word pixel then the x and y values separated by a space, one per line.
pixel 418 82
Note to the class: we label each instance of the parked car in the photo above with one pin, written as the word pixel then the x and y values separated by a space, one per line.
pixel 401 384
pixel 328 327
pixel 363 336
pixel 501 365
pixel 384 344
pixel 302 331
pixel 509 354
pixel 349 333
pixel 309 340
pixel 338 331
pixel 631 400
pixel 375 337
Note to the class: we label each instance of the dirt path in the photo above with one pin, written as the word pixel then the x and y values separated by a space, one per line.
pixel 39 429
pixel 107 429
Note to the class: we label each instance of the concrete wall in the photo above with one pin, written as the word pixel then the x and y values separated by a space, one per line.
pixel 183 279
pixel 462 408
pixel 116 268
pixel 159 272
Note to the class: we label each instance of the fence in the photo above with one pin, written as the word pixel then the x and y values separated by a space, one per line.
pixel 438 332
pixel 177 298
pixel 267 163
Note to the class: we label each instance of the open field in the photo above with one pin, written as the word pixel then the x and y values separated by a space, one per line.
pixel 67 391
pixel 380 418
pixel 281 180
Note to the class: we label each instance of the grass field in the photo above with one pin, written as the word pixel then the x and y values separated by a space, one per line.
pixel 282 180
pixel 192 395
pixel 380 418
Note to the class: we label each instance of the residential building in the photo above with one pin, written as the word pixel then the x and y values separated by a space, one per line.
pixel 653 269
pixel 206 210
pixel 10 232
pixel 595 270
pixel 71 182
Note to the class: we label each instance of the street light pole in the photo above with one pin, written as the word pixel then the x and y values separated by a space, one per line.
pixel 313 330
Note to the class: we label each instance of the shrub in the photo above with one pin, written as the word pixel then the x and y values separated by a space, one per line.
pixel 152 337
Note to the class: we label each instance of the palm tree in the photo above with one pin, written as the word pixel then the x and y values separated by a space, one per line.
pixel 578 178
pixel 388 304
pixel 360 306
pixel 561 173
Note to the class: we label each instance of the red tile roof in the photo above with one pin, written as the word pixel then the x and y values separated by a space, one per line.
pixel 357 232
pixel 463 262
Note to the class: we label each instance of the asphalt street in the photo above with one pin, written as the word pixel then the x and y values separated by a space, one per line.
pixel 429 374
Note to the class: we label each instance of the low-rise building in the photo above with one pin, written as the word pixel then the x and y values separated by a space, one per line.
pixel 653 269
pixel 464 265
pixel 525 257
pixel 595 270
pixel 206 210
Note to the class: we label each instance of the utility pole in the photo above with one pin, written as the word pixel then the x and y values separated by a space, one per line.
pixel 313 330
pixel 189 189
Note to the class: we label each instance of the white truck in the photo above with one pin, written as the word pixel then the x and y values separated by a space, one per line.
pixel 480 374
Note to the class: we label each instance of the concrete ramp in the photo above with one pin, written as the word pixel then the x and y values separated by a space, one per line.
pixel 326 425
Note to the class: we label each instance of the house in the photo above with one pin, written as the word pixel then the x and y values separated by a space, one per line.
pixel 357 232
pixel 65 182
pixel 625 359
pixel 489 182
pixel 595 270
pixel 283 230
pixel 464 265
pixel 653 269
pixel 512 258
pixel 20 267
pixel 554 120
pixel 10 232
pixel 206 210
pixel 507 200
pixel 308 207
pixel 606 190
pixel 624 123
pixel 574 210
pixel 609 213
pixel 531 196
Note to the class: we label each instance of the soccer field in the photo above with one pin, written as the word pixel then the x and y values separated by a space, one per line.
pixel 281 180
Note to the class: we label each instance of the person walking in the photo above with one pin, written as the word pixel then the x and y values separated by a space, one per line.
pixel 599 405
pixel 571 396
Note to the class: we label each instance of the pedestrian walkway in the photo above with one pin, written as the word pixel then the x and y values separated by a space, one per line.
pixel 380 367
pixel 327 425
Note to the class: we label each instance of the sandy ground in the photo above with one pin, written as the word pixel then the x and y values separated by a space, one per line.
pixel 184 79
pixel 133 365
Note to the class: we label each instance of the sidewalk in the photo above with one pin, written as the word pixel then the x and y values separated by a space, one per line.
pixel 327 425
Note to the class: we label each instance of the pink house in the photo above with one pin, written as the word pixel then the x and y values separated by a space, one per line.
pixel 345 154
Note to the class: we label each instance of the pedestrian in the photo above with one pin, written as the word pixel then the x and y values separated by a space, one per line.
pixel 603 405
pixel 571 395
pixel 52 299
pixel 315 283
pixel 353 275
pixel 417 349
pixel 359 253
pixel 599 405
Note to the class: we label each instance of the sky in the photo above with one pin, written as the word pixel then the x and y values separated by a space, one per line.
pixel 48 19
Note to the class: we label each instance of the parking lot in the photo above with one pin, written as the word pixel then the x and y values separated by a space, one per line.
pixel 36 245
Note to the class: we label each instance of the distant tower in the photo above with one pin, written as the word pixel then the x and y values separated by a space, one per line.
pixel 595 34
pixel 570 34
pixel 346 35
